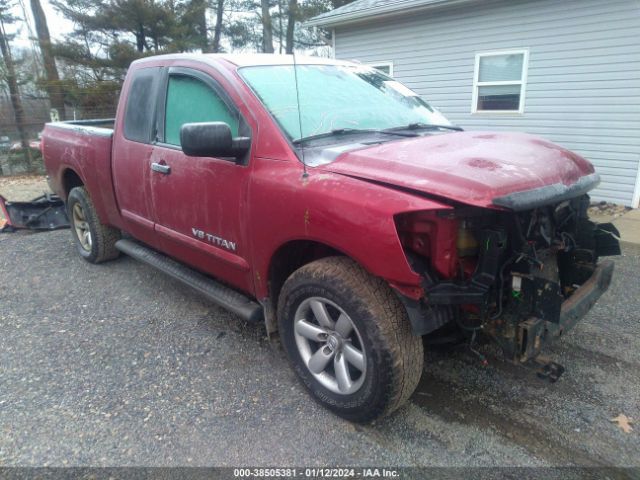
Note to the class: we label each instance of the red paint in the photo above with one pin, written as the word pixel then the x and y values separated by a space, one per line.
pixel 268 203
pixel 469 167
pixel 5 214
pixel 433 237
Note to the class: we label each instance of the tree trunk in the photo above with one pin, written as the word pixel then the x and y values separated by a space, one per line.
pixel 267 29
pixel 14 93
pixel 291 24
pixel 217 30
pixel 280 31
pixel 141 38
pixel 53 87
pixel 200 7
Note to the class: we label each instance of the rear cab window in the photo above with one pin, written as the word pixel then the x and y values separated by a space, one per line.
pixel 141 105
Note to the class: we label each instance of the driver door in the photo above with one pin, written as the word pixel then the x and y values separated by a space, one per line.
pixel 199 202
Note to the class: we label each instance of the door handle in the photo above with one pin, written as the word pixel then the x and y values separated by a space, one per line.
pixel 161 168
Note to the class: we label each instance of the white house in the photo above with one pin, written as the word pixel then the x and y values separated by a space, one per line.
pixel 567 70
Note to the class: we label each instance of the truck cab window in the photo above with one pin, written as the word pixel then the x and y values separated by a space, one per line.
pixel 141 104
pixel 190 100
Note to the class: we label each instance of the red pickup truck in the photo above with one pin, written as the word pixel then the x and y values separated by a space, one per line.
pixel 334 204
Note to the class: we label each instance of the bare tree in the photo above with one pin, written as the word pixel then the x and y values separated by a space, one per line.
pixel 217 29
pixel 199 12
pixel 14 94
pixel 291 24
pixel 267 28
pixel 280 29
pixel 53 87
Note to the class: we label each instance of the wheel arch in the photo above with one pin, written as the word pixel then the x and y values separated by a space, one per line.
pixel 289 257
pixel 69 180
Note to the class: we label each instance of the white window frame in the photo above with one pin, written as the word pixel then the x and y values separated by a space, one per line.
pixel 522 82
pixel 382 64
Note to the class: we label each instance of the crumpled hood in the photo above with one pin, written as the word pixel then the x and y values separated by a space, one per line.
pixel 475 168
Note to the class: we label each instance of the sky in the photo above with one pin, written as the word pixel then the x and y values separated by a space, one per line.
pixel 58 25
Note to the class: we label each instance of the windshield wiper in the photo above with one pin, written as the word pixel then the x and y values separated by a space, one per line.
pixel 424 126
pixel 346 131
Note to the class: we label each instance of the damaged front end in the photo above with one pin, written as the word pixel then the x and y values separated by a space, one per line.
pixel 522 277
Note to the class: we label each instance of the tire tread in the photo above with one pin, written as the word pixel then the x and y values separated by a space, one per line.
pixel 403 351
pixel 105 237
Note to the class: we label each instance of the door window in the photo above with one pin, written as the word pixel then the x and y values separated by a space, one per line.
pixel 190 100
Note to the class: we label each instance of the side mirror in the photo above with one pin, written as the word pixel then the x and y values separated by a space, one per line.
pixel 212 139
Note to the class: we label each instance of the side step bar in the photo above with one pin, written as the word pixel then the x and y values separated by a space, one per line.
pixel 219 294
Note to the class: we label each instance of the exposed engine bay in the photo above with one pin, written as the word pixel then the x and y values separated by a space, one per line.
pixel 519 277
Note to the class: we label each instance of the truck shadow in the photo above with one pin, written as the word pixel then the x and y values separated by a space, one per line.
pixel 458 389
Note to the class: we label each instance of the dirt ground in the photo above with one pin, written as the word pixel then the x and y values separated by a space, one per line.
pixel 23 188
pixel 115 365
pixel 604 212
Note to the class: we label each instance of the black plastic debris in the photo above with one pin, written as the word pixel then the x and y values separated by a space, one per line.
pixel 46 212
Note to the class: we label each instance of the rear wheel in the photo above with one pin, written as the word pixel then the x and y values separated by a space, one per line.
pixel 94 241
pixel 349 340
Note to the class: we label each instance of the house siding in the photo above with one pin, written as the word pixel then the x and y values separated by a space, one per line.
pixel 583 86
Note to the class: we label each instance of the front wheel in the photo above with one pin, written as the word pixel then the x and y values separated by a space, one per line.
pixel 348 339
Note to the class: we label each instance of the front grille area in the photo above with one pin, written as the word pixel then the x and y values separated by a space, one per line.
pixel 500 272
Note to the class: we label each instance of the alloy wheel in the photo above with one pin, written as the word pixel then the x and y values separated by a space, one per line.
pixel 330 345
pixel 81 227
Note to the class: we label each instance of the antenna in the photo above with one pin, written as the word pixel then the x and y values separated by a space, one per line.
pixel 295 76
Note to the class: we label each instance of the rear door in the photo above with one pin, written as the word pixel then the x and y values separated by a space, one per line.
pixel 199 202
pixel 132 152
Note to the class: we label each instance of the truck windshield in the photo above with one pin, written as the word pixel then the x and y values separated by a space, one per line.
pixel 337 98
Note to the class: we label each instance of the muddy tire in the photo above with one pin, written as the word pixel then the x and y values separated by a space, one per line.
pixel 348 339
pixel 94 241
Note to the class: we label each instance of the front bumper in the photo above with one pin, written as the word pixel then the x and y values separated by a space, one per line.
pixel 547 195
pixel 533 334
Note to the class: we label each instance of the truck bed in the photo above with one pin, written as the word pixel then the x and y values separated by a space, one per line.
pixel 84 147
pixel 99 126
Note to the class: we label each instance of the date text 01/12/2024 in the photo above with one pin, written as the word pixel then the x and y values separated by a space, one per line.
pixel 316 472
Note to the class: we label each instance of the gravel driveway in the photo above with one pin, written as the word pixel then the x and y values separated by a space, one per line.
pixel 118 365
pixel 23 188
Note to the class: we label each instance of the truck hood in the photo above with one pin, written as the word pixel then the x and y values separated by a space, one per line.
pixel 485 169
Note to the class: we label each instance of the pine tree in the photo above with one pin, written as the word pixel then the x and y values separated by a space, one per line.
pixel 110 34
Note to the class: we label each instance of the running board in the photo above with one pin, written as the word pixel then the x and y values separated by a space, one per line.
pixel 219 294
